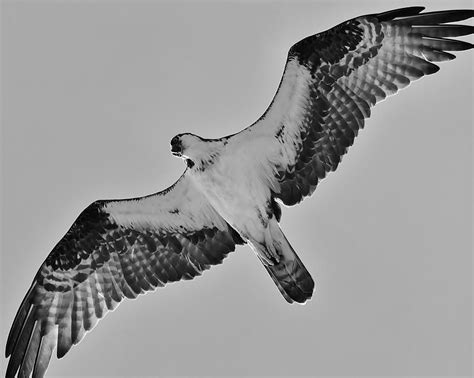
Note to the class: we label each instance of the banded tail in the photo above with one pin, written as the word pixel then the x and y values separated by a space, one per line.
pixel 289 274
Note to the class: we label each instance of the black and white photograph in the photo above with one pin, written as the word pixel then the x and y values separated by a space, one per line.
pixel 289 182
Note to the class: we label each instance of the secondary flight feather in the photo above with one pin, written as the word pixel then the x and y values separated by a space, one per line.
pixel 230 191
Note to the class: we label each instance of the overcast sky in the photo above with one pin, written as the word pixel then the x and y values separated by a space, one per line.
pixel 92 93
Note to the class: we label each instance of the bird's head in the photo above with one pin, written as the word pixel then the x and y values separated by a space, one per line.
pixel 190 147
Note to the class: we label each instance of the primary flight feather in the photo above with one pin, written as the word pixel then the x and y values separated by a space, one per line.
pixel 230 192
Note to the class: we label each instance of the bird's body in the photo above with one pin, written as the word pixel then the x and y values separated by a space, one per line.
pixel 232 188
pixel 237 191
pixel 244 200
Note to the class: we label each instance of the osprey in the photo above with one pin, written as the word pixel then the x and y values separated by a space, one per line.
pixel 231 190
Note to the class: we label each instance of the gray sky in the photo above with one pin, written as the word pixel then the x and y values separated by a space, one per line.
pixel 92 93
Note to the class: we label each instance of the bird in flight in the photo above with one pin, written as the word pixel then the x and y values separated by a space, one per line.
pixel 232 188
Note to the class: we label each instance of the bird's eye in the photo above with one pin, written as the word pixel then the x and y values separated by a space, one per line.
pixel 175 140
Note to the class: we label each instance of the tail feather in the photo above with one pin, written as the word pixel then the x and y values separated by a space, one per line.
pixel 289 274
pixel 292 279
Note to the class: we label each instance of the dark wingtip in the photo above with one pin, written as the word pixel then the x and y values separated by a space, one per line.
pixel 20 346
pixel 19 321
pixel 466 45
pixel 400 12
pixel 432 68
pixel 438 17
pixel 61 352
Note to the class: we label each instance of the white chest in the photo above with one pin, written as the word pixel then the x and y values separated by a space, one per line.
pixel 237 194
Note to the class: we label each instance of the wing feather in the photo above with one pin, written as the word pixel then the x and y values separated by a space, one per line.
pixel 114 250
pixel 45 351
pixel 28 362
pixel 330 82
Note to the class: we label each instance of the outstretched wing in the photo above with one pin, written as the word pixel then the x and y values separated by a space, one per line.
pixel 115 249
pixel 330 82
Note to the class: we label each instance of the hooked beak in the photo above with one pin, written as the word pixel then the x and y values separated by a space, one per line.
pixel 176 151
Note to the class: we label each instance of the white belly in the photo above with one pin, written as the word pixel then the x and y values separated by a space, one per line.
pixel 239 197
